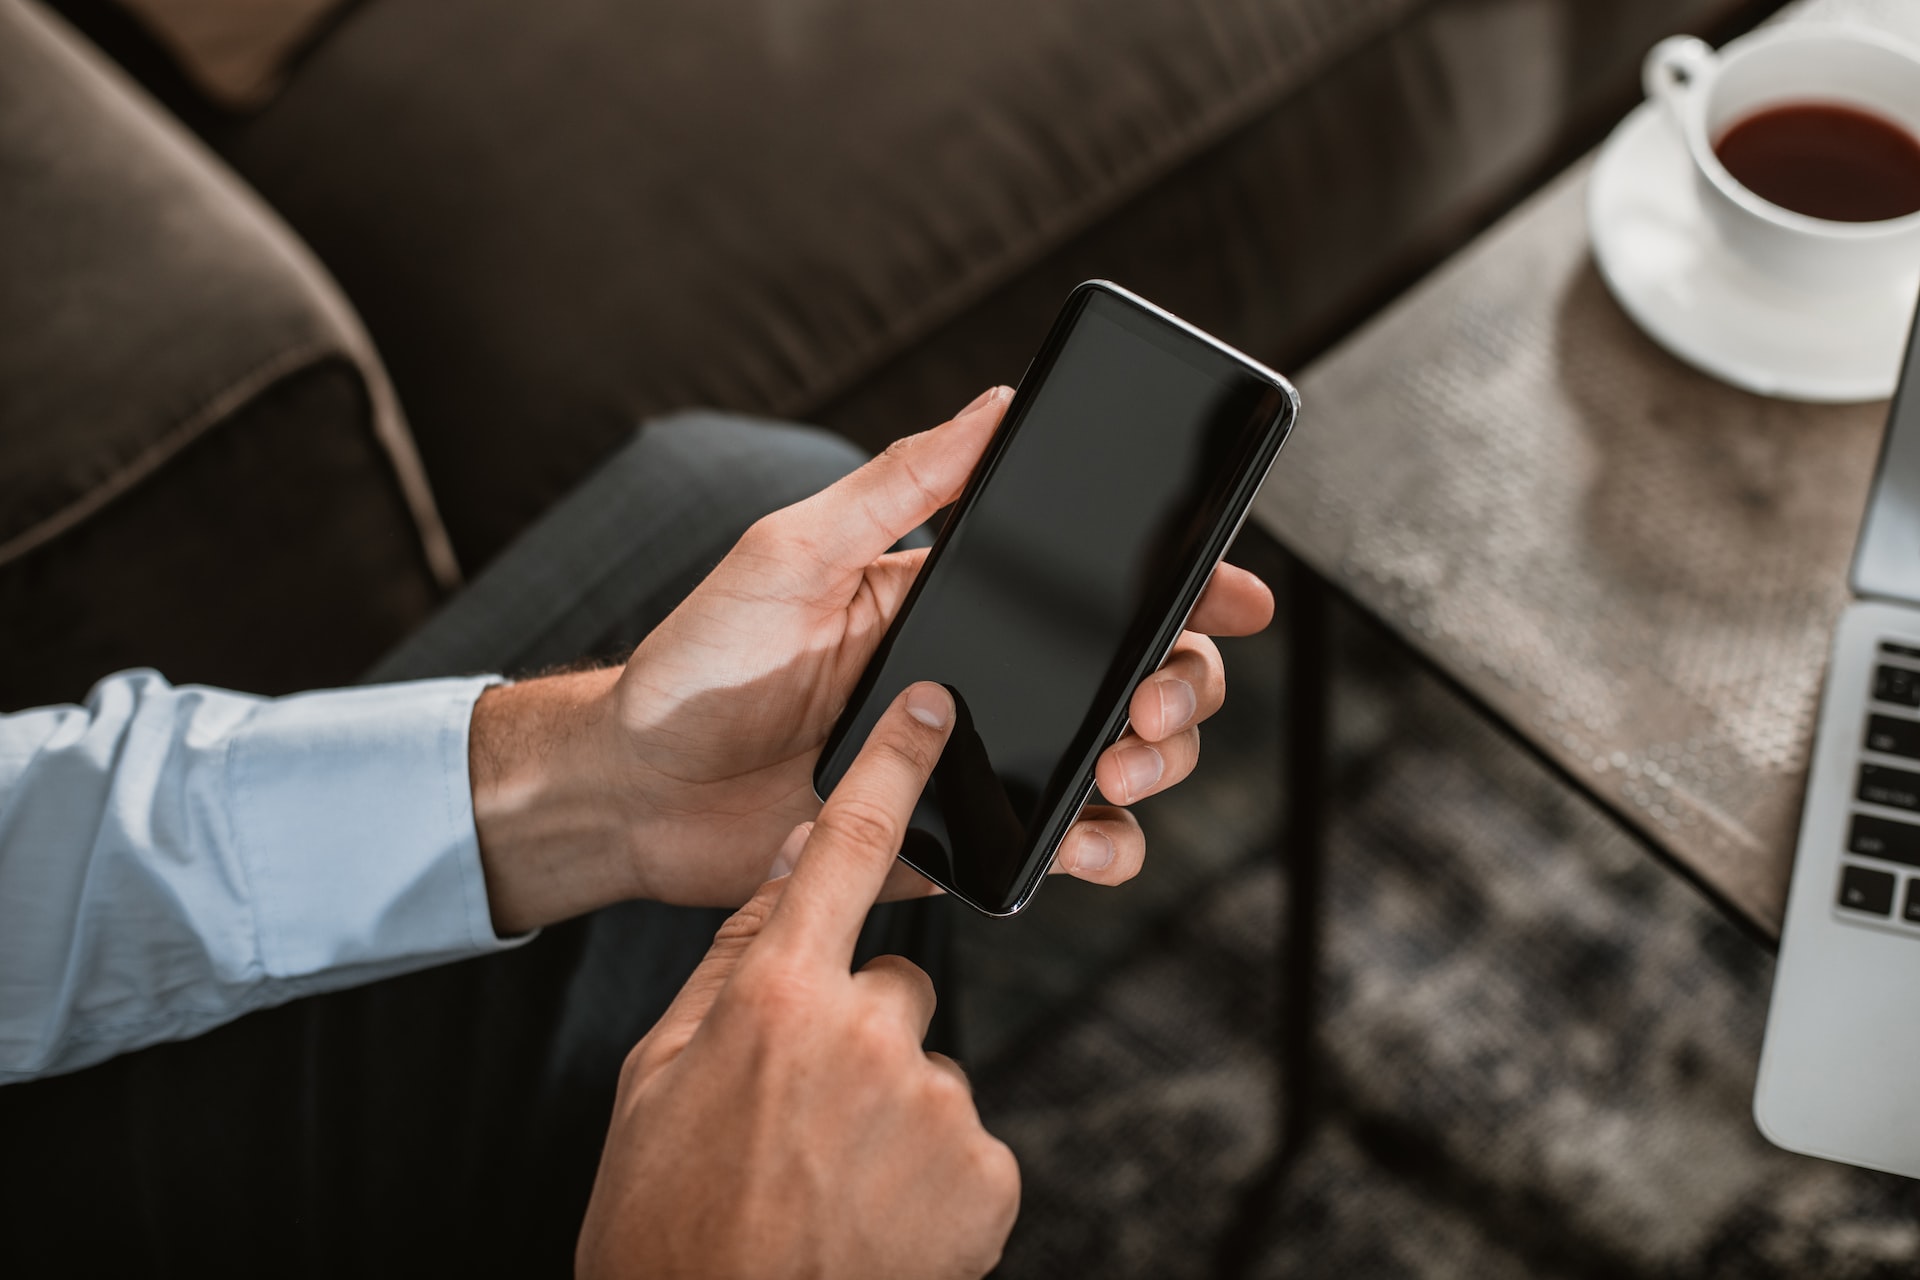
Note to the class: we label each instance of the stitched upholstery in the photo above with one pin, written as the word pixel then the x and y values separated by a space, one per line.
pixel 150 304
pixel 557 218
pixel 560 218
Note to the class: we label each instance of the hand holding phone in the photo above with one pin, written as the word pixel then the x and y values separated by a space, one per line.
pixel 1064 576
pixel 675 777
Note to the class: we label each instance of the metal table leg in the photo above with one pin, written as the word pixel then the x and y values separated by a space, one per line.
pixel 1302 851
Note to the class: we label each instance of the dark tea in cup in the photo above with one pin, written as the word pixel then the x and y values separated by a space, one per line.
pixel 1804 141
pixel 1825 160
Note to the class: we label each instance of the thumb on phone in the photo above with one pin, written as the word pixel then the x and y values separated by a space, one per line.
pixel 856 519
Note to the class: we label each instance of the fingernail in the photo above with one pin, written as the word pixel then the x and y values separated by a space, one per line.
pixel 789 851
pixel 1141 767
pixel 1178 702
pixel 985 398
pixel 977 401
pixel 930 704
pixel 1092 851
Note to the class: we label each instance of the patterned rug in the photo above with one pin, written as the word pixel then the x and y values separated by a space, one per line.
pixel 1538 1043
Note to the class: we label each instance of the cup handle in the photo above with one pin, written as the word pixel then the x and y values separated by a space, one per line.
pixel 1675 69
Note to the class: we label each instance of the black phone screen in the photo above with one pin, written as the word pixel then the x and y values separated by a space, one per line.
pixel 1096 514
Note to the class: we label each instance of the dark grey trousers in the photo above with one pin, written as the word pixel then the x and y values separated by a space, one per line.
pixel 448 1122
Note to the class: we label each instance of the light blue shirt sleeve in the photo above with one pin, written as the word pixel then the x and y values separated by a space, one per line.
pixel 171 858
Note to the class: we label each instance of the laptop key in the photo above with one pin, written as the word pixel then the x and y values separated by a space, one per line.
pixel 1897 684
pixel 1864 889
pixel 1910 905
pixel 1895 788
pixel 1884 838
pixel 1894 736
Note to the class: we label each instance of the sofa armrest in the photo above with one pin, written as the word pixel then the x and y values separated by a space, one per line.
pixel 155 310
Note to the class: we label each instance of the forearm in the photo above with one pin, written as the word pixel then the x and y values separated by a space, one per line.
pixel 172 858
pixel 549 804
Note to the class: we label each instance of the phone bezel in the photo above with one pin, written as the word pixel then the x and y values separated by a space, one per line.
pixel 1247 479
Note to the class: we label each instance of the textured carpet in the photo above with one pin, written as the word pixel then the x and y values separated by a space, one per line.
pixel 1538 1043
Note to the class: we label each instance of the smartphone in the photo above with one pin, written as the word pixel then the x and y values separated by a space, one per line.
pixel 1121 471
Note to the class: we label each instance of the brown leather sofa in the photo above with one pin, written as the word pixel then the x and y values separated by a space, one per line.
pixel 557 219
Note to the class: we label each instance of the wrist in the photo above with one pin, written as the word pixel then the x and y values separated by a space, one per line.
pixel 547 808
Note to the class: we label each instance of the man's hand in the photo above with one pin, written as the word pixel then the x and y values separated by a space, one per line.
pixel 672 778
pixel 781 1119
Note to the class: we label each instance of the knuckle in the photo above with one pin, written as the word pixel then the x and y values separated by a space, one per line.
pixel 995 1177
pixel 1208 679
pixel 874 1035
pixel 890 962
pixel 861 822
pixel 948 1091
pixel 745 924
pixel 762 535
pixel 995 1168
pixel 911 974
pixel 988 1253
pixel 1195 653
pixel 774 545
pixel 903 455
pixel 635 1068
pixel 771 998
pixel 1213 686
pixel 1182 756
pixel 922 984
pixel 1129 852
pixel 914 750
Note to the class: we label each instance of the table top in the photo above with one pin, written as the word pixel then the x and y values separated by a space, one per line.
pixel 1635 566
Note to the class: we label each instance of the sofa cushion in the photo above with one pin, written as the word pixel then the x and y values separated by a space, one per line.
pixel 1292 230
pixel 235 51
pixel 151 301
pixel 559 217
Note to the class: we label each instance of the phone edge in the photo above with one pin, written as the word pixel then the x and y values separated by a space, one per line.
pixel 1236 519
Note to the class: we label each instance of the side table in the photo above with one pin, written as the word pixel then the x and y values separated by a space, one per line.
pixel 1633 568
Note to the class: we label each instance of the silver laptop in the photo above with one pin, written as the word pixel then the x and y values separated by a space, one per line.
pixel 1840 1072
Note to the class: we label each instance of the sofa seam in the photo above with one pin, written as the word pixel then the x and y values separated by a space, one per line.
pixel 348 338
pixel 128 474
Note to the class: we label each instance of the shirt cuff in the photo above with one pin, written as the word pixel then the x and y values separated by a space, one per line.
pixel 352 814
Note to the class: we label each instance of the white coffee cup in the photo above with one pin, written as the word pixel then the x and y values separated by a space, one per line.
pixel 1706 93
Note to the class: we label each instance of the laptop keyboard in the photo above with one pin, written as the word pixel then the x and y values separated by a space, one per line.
pixel 1885 823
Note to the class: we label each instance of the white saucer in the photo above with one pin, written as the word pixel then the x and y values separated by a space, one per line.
pixel 1670 271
